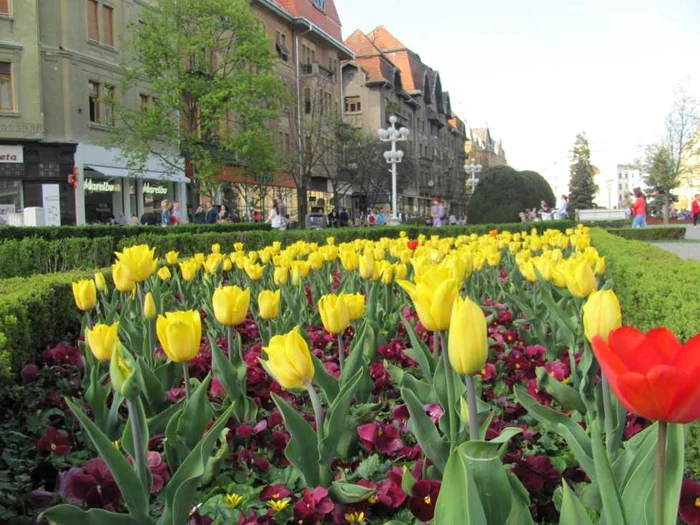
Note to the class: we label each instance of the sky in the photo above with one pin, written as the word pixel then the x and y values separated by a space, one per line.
pixel 538 72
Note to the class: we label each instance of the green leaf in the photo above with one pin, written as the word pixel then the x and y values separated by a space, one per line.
pixel 347 493
pixel 230 378
pixel 407 481
pixel 137 412
pixel 168 374
pixel 425 431
pixel 520 511
pixel 368 467
pixel 577 439
pixel 96 396
pixel 325 380
pixel 334 424
pixel 566 396
pixel 302 449
pixel 572 512
pixel 613 511
pixel 673 473
pixel 459 502
pixel 182 487
pixel 70 514
pixel 135 498
pixel 419 352
pixel 151 388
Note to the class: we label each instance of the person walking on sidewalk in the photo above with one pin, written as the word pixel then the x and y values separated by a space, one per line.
pixel 695 209
pixel 639 209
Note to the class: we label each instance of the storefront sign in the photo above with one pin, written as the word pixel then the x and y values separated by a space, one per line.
pixel 156 190
pixel 12 154
pixel 51 197
pixel 101 186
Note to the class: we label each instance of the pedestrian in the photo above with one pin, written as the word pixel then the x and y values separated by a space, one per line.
pixel 381 218
pixel 333 218
pixel 562 212
pixel 274 219
pixel 211 214
pixel 437 212
pixel 284 215
pixel 639 209
pixel 453 220
pixel 545 211
pixel 174 213
pixel 371 218
pixel 200 216
pixel 223 214
pixel 165 213
pixel 343 217
pixel 695 209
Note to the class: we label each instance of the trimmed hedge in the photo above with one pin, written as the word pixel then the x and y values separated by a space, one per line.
pixel 649 234
pixel 119 232
pixel 35 313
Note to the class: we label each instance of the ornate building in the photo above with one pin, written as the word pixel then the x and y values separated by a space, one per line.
pixel 482 147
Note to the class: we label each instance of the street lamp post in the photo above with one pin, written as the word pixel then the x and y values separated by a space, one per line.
pixel 393 157
pixel 473 168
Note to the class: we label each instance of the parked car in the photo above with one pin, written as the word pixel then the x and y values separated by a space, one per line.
pixel 316 220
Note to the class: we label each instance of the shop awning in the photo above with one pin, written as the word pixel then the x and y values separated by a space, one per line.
pixel 111 171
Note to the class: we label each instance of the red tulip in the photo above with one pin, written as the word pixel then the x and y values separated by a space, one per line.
pixel 412 245
pixel 652 374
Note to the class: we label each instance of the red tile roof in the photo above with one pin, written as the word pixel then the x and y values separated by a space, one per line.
pixel 328 21
pixel 378 68
pixel 385 40
pixel 361 45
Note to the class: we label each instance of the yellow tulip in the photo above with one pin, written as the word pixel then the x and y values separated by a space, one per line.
pixel 149 307
pixel 85 294
pixel 180 334
pixel 527 269
pixel 289 360
pixel 601 314
pixel 433 298
pixel 253 257
pixel 316 260
pixel 400 271
pixel 254 271
pixel 231 305
pixel 367 265
pixel 269 304
pixel 139 262
pixel 171 257
pixel 216 248
pixel 334 313
pixel 296 275
pixel 227 265
pixel 468 340
pixel 121 278
pixel 558 278
pixel 493 259
pixel 200 258
pixel 330 241
pixel 102 340
pixel 100 282
pixel 238 246
pixel 350 260
pixel 164 273
pixel 545 267
pixel 355 303
pixel 212 263
pixel 280 276
pixel 600 266
pixel 386 272
pixel 580 279
pixel 189 269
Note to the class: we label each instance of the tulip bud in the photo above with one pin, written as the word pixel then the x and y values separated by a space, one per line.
pixel 281 276
pixel 100 282
pixel 164 273
pixel 121 373
pixel 231 305
pixel 269 304
pixel 601 314
pixel 149 307
pixel 367 265
pixel 227 265
pixel 334 313
pixel 102 340
pixel 171 257
pixel 85 294
pixel 180 334
pixel 254 271
pixel 216 248
pixel 580 279
pixel 289 360
pixel 468 339
pixel 189 269
pixel 122 282
pixel 356 305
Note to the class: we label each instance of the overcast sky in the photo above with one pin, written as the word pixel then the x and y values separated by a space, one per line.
pixel 539 71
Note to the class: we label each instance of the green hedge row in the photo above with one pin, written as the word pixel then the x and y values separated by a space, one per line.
pixel 650 234
pixel 118 232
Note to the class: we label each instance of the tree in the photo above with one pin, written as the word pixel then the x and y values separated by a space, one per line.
pixel 582 187
pixel 209 65
pixel 669 162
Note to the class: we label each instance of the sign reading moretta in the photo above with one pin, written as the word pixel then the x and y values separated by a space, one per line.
pixel 12 154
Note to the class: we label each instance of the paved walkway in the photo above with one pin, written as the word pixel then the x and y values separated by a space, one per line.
pixel 685 250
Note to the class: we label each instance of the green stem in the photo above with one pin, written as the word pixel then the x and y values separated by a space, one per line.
pixel 436 337
pixel 341 352
pixel 473 410
pixel 607 411
pixel 89 319
pixel 139 446
pixel 229 332
pixel 451 424
pixel 318 409
pixel 186 374
pixel 139 295
pixel 660 467
pixel 151 342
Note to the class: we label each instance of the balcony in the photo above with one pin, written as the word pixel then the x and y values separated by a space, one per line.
pixel 318 70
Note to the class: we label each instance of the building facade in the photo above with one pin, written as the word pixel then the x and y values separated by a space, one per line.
pixel 483 149
pixel 61 71
pixel 387 78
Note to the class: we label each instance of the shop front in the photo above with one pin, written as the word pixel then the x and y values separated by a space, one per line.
pixel 110 192
pixel 35 175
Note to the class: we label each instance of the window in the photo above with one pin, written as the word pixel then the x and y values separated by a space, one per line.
pixel 281 45
pixel 94 102
pixel 333 64
pixel 308 55
pixel 144 101
pixel 4 7
pixel 108 25
pixel 93 29
pixel 353 105
pixel 320 4
pixel 307 101
pixel 6 103
pixel 108 105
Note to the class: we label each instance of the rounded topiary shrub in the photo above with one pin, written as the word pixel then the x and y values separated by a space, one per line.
pixel 502 193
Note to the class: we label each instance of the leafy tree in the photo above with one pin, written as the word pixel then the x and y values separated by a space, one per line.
pixel 582 187
pixel 209 66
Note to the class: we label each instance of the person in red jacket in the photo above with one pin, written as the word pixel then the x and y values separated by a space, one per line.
pixel 639 209
pixel 695 209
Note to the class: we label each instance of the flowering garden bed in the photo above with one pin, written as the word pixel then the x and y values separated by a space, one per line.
pixel 212 390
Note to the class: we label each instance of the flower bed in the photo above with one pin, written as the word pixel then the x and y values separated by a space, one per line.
pixel 374 408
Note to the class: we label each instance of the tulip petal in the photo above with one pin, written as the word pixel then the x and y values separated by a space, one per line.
pixel 666 346
pixel 633 391
pixel 652 396
pixel 610 362
pixel 625 343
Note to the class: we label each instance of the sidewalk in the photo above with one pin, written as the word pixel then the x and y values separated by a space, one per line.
pixel 685 250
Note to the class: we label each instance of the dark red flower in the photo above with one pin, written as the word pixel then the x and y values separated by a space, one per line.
pixel 279 440
pixel 689 507
pixel 634 425
pixel 313 506
pixel 64 354
pixel 390 493
pixel 412 245
pixel 384 438
pixel 275 492
pixel 488 371
pixel 425 495
pixel 29 373
pixel 54 441
pixel 536 471
pixel 216 389
pixel 401 416
pixel 159 471
pixel 94 486
pixel 275 419
pixel 504 317
pixel 244 431
pixel 380 376
pixel 435 412
pixel 262 464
